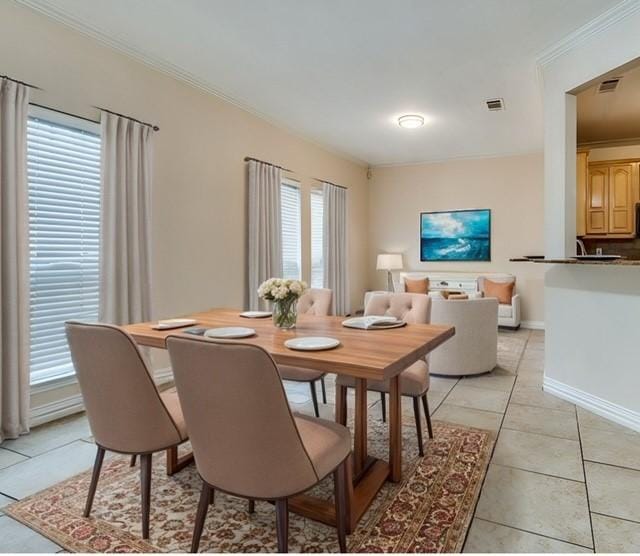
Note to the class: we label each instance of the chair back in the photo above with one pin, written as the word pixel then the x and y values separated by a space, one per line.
pixel 243 434
pixel 410 307
pixel 315 301
pixel 124 408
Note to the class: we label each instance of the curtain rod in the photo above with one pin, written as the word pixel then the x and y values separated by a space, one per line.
pixel 248 158
pixel 334 184
pixel 152 126
pixel 21 82
pixel 65 113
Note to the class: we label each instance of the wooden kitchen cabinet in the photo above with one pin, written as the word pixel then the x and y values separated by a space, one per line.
pixel 582 174
pixel 612 190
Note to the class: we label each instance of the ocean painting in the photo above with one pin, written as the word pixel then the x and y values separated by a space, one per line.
pixel 459 235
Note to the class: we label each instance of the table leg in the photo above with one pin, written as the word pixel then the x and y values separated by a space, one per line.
pixel 395 430
pixel 360 427
pixel 341 405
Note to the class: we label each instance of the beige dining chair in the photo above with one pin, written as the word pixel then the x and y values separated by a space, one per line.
pixel 245 440
pixel 414 380
pixel 126 412
pixel 315 301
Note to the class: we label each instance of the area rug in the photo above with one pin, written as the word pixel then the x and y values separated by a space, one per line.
pixel 429 511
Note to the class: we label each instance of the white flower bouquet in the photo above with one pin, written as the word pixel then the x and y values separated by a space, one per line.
pixel 284 294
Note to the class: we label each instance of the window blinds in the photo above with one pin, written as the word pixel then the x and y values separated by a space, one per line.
pixel 64 225
pixel 291 231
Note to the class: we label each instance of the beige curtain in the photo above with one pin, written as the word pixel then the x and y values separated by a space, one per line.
pixel 14 261
pixel 125 234
pixel 265 235
pixel 335 252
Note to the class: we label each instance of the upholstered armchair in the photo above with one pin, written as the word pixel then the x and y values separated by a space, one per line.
pixel 508 314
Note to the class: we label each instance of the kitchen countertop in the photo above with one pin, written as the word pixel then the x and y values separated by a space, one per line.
pixel 616 262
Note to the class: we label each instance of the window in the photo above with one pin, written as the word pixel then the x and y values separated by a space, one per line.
pixel 317 216
pixel 291 230
pixel 63 163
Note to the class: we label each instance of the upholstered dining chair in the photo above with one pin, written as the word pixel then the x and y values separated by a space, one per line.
pixel 315 301
pixel 414 380
pixel 245 440
pixel 126 412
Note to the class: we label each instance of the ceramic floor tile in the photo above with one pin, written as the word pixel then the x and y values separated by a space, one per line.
pixel 441 384
pixel 551 422
pixel 531 395
pixel 435 398
pixel 614 448
pixel 487 537
pixel 530 380
pixel 15 537
pixel 35 474
pixel 531 366
pixel 613 491
pixel 478 398
pixel 536 503
pixel 4 501
pixel 8 458
pixel 470 417
pixel 593 421
pixel 50 436
pixel 498 379
pixel 539 453
pixel 615 535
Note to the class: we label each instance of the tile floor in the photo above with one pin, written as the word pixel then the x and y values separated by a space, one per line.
pixel 561 479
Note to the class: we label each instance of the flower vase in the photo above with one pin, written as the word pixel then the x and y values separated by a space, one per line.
pixel 285 313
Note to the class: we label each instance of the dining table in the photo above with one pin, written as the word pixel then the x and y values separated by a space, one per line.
pixel 380 354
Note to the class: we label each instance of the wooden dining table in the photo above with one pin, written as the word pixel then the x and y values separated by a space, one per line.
pixel 363 354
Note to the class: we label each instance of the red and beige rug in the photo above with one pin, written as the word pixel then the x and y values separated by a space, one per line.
pixel 429 511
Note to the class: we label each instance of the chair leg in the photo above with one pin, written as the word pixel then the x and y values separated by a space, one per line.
pixel 416 413
pixel 201 516
pixel 340 496
pixel 324 391
pixel 383 404
pixel 252 506
pixel 425 404
pixel 97 466
pixel 145 486
pixel 341 404
pixel 212 496
pixel 314 398
pixel 282 524
pixel 132 463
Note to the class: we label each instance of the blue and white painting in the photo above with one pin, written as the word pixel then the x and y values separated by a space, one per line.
pixel 459 235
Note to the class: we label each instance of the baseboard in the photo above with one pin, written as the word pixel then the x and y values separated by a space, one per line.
pixel 608 410
pixel 69 405
pixel 532 324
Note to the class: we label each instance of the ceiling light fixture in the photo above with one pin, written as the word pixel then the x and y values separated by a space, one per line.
pixel 411 121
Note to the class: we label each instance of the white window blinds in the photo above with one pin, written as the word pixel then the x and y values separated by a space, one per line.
pixel 317 268
pixel 291 231
pixel 64 226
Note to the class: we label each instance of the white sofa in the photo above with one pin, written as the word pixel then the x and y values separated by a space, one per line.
pixel 508 315
pixel 474 348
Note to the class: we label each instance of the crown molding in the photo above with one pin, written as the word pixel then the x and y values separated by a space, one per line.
pixel 594 27
pixel 50 10
pixel 628 142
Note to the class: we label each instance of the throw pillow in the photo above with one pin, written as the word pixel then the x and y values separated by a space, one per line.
pixel 421 285
pixel 501 290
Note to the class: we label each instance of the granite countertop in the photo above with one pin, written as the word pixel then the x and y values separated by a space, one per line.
pixel 616 262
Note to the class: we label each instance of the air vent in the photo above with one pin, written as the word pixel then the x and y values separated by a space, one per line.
pixel 494 104
pixel 608 85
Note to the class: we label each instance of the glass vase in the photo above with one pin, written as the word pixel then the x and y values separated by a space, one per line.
pixel 285 313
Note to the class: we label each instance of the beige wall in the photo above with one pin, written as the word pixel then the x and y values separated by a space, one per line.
pixel 199 173
pixel 512 187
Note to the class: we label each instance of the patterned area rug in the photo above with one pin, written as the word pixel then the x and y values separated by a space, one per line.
pixel 429 511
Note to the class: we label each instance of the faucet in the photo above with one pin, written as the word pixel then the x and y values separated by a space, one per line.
pixel 581 248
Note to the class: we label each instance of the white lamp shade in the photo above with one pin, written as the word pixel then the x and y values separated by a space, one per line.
pixel 389 261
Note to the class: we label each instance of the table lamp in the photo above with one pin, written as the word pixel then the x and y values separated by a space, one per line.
pixel 389 262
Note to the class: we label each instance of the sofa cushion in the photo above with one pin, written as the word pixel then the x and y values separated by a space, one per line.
pixel 503 291
pixel 420 285
pixel 505 310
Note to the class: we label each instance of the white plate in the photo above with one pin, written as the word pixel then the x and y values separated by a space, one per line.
pixel 256 314
pixel 173 323
pixel 230 332
pixel 312 343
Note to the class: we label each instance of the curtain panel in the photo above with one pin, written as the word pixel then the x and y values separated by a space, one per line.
pixel 265 228
pixel 125 233
pixel 335 247
pixel 14 261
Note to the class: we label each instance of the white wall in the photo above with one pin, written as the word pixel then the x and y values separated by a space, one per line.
pixel 592 326
pixel 512 187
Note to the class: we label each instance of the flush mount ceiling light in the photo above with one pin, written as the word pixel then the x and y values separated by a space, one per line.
pixel 411 121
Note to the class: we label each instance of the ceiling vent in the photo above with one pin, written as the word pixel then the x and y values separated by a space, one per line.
pixel 494 104
pixel 609 85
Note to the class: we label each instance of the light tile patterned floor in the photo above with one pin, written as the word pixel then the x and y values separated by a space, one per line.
pixel 561 479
